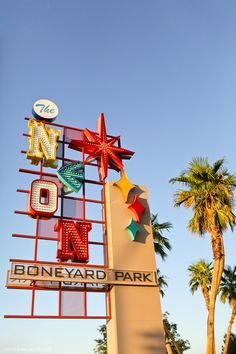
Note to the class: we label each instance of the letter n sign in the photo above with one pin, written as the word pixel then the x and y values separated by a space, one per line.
pixel 73 242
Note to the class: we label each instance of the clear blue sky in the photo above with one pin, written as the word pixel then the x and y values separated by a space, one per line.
pixel 164 74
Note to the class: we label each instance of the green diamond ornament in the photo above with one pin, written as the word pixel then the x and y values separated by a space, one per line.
pixel 132 229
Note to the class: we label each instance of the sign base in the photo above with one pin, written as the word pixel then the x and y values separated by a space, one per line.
pixel 136 325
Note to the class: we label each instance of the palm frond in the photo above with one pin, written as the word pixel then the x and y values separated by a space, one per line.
pixel 209 192
pixel 228 285
pixel 162 282
pixel 161 243
pixel 217 165
pixel 200 274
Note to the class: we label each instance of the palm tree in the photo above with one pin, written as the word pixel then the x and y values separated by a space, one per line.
pixel 174 343
pixel 232 344
pixel 209 191
pixel 101 343
pixel 200 277
pixel 228 292
pixel 162 283
pixel 161 243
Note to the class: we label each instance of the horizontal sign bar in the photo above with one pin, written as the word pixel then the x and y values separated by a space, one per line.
pixel 47 284
pixel 76 274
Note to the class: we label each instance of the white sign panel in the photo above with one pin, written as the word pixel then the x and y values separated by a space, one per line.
pixel 77 274
pixel 45 110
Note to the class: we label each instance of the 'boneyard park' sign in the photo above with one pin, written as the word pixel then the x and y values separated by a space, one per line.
pixel 101 231
pixel 81 274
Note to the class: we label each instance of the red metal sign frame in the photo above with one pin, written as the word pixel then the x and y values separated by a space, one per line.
pixel 40 173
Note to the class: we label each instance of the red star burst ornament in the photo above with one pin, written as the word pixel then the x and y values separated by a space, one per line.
pixel 101 148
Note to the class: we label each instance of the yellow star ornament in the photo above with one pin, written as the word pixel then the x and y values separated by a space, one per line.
pixel 125 186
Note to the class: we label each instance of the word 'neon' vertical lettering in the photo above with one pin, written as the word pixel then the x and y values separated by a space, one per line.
pixel 73 242
pixel 43 200
pixel 43 144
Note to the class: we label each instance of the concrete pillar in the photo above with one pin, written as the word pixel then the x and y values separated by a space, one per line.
pixel 136 324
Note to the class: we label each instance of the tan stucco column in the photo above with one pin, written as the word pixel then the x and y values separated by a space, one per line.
pixel 136 324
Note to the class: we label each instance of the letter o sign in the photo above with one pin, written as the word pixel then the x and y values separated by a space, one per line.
pixel 43 200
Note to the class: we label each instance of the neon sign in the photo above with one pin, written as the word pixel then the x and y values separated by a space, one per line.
pixel 45 110
pixel 43 144
pixel 43 200
pixel 99 242
pixel 101 148
pixel 72 176
pixel 73 242
pixel 67 213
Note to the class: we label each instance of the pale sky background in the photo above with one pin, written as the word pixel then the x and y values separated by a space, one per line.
pixel 164 74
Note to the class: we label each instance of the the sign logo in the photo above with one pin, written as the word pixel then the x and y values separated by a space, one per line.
pixel 45 110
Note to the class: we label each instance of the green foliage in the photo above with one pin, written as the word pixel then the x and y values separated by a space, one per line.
pixel 228 285
pixel 178 345
pixel 232 344
pixel 101 346
pixel 209 191
pixel 200 275
pixel 162 283
pixel 161 243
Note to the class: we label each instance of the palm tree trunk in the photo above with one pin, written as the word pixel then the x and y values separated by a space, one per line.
pixel 229 330
pixel 205 293
pixel 169 336
pixel 222 262
pixel 218 251
pixel 168 346
pixel 167 341
pixel 211 313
